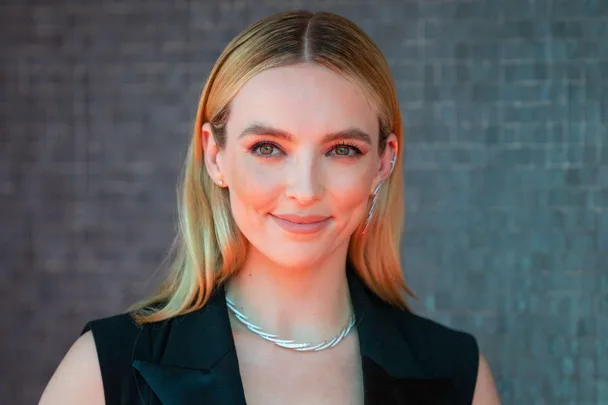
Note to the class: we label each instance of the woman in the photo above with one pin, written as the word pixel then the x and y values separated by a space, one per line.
pixel 286 286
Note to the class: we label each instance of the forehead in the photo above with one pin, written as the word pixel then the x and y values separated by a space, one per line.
pixel 302 99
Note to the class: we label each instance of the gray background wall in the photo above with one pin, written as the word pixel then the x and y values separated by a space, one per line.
pixel 506 112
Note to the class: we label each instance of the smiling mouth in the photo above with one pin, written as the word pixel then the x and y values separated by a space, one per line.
pixel 301 219
pixel 305 225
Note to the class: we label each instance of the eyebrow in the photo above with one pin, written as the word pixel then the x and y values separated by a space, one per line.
pixel 262 129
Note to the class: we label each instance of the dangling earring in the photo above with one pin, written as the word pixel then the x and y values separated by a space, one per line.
pixel 371 209
pixel 375 199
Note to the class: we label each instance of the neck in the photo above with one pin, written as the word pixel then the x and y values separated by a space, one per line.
pixel 305 304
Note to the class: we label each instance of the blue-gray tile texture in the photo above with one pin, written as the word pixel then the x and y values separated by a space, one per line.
pixel 505 109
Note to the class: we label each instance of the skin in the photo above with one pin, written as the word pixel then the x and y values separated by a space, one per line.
pixel 293 285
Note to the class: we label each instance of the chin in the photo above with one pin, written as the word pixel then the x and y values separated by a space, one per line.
pixel 296 260
pixel 295 255
pixel 295 250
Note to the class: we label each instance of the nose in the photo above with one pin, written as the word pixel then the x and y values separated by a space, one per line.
pixel 304 179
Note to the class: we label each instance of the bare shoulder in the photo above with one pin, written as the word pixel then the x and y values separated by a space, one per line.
pixel 77 379
pixel 485 389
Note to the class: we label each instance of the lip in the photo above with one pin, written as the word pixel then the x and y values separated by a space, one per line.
pixel 301 224
pixel 301 219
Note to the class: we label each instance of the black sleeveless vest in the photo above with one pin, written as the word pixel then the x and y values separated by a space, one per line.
pixel 191 359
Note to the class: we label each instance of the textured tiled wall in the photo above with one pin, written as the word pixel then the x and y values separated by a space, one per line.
pixel 506 112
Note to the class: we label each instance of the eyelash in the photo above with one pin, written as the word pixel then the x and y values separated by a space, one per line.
pixel 258 145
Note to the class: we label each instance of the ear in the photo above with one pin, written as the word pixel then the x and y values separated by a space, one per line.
pixel 212 155
pixel 385 166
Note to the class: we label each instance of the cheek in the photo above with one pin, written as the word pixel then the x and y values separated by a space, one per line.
pixel 254 186
pixel 349 189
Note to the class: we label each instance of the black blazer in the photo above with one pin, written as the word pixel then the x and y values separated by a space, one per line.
pixel 191 359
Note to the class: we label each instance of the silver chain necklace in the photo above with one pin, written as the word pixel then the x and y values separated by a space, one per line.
pixel 290 344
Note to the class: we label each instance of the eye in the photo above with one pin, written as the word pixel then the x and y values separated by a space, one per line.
pixel 343 149
pixel 263 149
pixel 266 149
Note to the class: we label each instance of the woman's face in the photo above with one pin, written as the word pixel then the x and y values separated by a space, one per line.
pixel 301 144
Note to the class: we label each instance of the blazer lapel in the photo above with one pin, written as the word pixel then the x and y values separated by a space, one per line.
pixel 191 359
pixel 391 371
pixel 382 388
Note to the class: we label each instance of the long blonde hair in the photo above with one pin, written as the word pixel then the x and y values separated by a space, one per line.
pixel 209 247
